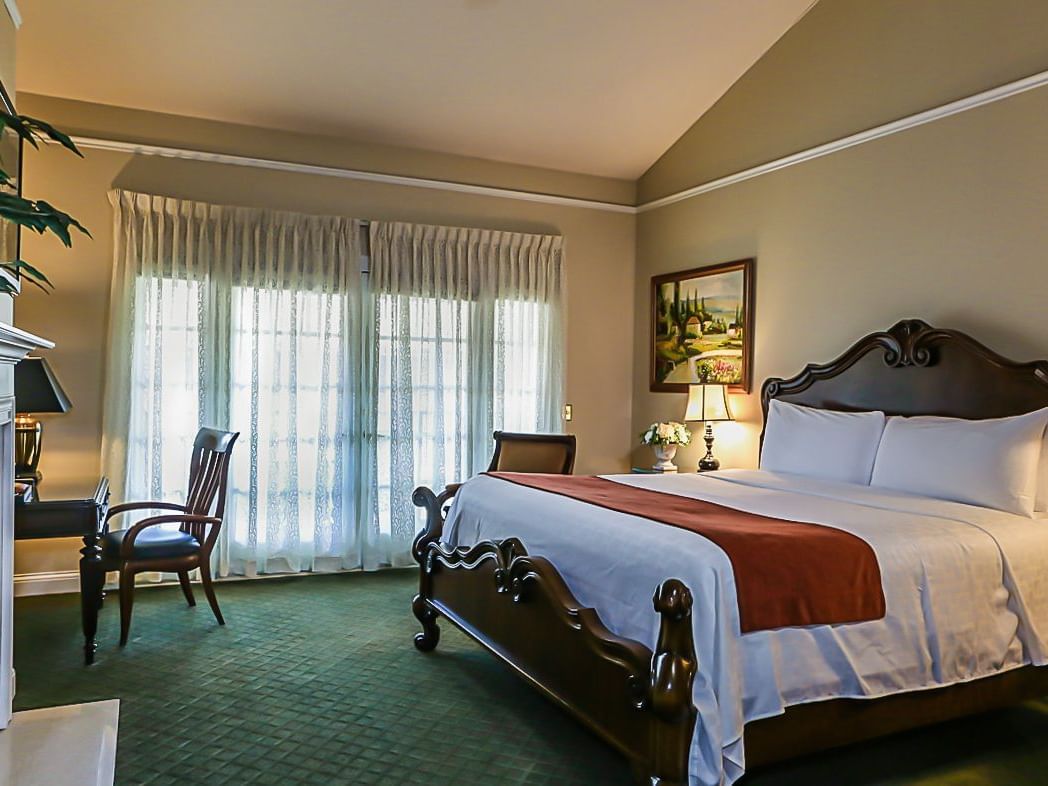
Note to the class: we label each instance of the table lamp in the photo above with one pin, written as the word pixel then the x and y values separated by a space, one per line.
pixel 37 391
pixel 708 403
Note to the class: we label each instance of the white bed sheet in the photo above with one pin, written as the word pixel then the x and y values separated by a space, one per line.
pixel 966 591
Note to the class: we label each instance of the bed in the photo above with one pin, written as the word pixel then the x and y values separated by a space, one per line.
pixel 551 586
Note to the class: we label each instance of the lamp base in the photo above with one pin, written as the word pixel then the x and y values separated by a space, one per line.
pixel 29 437
pixel 708 462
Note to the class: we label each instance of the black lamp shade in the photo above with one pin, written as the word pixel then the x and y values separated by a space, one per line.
pixel 37 390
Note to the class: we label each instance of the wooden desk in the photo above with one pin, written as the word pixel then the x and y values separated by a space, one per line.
pixel 72 518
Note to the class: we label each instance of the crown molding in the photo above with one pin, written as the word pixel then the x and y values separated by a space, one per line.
pixel 877 132
pixel 13 12
pixel 116 146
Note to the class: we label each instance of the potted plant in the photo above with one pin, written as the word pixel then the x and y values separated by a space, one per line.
pixel 36 214
pixel 664 439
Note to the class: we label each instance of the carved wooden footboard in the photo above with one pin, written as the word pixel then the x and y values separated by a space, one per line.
pixel 518 607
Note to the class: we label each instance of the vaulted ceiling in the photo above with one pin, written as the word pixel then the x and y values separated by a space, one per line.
pixel 595 86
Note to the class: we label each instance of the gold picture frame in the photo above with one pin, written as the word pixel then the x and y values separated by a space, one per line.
pixel 702 327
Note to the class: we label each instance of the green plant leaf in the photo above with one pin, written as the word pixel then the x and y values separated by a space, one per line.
pixel 31 129
pixel 39 215
pixel 15 123
pixel 25 271
pixel 7 199
pixel 55 218
pixel 30 273
pixel 41 129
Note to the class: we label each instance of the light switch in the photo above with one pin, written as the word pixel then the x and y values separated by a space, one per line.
pixel 567 411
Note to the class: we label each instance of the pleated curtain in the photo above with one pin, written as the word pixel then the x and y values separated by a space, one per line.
pixel 470 340
pixel 349 388
pixel 248 320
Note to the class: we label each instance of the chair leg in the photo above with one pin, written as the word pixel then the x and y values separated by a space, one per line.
pixel 205 579
pixel 187 590
pixel 127 601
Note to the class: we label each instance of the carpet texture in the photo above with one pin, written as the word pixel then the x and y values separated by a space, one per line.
pixel 314 681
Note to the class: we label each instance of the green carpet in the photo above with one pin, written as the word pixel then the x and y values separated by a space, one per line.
pixel 314 680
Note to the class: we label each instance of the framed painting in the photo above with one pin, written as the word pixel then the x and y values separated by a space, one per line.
pixel 702 327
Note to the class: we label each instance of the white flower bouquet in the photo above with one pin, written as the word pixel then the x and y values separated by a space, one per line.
pixel 671 433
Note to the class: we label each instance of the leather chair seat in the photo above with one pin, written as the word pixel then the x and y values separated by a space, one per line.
pixel 151 543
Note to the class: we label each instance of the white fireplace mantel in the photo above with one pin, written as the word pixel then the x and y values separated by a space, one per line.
pixel 15 344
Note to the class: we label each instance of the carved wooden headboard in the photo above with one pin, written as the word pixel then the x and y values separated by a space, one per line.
pixel 916 369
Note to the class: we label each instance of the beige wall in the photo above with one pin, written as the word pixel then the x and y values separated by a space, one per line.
pixel 945 222
pixel 7 51
pixel 849 65
pixel 7 76
pixel 600 247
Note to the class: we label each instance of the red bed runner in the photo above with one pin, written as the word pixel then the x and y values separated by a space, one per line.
pixel 787 573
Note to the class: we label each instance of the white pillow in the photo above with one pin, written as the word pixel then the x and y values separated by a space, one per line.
pixel 991 463
pixel 820 443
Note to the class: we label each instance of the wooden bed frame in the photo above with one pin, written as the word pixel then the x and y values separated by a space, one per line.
pixel 518 606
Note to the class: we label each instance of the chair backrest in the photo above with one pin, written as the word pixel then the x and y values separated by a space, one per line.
pixel 208 476
pixel 550 453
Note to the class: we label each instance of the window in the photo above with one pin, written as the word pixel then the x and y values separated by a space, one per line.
pixel 350 384
pixel 424 354
pixel 165 379
pixel 287 391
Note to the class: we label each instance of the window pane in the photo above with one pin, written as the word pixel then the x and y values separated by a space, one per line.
pixel 165 387
pixel 521 364
pixel 286 391
pixel 423 399
pixel 438 379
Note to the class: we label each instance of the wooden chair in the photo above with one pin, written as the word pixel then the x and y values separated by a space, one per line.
pixel 550 453
pixel 144 547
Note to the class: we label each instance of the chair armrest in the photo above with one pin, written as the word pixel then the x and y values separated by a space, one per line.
pixel 126 506
pixel 127 546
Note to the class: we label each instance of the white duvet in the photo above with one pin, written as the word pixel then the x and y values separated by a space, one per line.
pixel 966 591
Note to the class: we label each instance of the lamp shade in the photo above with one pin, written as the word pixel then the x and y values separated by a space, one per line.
pixel 708 403
pixel 37 389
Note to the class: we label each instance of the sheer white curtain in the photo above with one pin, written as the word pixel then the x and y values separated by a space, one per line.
pixel 469 340
pixel 349 389
pixel 248 320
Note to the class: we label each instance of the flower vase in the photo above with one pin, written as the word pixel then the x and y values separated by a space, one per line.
pixel 664 454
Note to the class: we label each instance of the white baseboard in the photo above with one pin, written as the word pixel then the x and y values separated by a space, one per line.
pixel 47 583
pixel 61 581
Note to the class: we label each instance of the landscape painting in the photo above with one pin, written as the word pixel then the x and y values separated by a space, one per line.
pixel 702 327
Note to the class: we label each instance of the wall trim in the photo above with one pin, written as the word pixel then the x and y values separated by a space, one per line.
pixel 13 12
pixel 990 96
pixel 47 583
pixel 116 146
pixel 877 132
pixel 68 581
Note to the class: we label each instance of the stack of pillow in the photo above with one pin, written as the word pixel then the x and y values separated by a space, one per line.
pixel 995 463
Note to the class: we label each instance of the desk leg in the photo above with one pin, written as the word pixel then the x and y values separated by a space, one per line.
pixel 92 579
